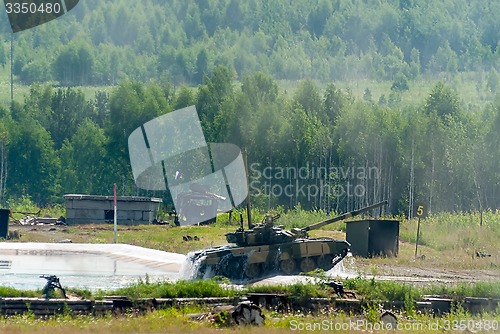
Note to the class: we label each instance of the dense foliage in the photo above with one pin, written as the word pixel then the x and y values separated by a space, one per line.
pixel 436 154
pixel 104 42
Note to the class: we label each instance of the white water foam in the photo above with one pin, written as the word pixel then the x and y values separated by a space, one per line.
pixel 190 267
pixel 346 268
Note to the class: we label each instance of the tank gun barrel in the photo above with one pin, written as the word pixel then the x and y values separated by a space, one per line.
pixel 343 216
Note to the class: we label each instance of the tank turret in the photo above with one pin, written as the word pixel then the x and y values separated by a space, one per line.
pixel 266 233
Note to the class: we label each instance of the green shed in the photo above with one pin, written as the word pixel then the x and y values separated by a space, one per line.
pixel 373 237
pixel 4 223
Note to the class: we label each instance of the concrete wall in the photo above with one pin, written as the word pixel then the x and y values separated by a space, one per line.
pixel 94 209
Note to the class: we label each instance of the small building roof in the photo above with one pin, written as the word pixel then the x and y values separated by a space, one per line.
pixel 110 198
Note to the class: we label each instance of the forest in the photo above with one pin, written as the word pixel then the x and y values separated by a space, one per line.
pixel 58 142
pixel 104 42
pixel 334 150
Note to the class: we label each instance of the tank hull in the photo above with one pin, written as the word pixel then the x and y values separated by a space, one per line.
pixel 253 262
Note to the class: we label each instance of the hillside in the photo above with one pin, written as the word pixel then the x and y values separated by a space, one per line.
pixel 104 42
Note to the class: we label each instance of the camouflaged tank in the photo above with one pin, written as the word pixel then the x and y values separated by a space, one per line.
pixel 265 248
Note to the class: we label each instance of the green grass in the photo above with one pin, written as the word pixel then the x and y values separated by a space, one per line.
pixel 467 232
pixel 397 291
pixel 160 321
pixel 178 321
pixel 448 241
pixel 179 289
pixel 374 290
pixel 173 320
pixel 11 292
pixel 479 289
pixel 384 290
pixel 24 206
pixel 297 290
pixel 367 289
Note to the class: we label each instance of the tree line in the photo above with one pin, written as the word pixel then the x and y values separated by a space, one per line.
pixel 438 153
pixel 179 41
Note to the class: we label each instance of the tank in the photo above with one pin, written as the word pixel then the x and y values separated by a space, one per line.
pixel 265 249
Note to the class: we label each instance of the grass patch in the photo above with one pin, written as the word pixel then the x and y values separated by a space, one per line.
pixel 298 290
pixel 24 206
pixel 479 289
pixel 179 289
pixel 367 289
pixel 6 291
pixel 159 321
pixel 466 228
pixel 173 320
pixel 383 290
pixel 386 290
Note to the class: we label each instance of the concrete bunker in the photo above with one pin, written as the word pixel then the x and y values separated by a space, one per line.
pixel 96 209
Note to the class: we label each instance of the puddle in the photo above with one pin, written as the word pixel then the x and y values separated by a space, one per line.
pixel 88 266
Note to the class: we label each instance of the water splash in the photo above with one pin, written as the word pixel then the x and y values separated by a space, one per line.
pixel 191 266
pixel 344 269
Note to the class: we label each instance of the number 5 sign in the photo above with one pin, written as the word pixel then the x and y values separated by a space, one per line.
pixel 420 211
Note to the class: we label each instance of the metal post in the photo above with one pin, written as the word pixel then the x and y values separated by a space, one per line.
pixel 418 235
pixel 115 213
